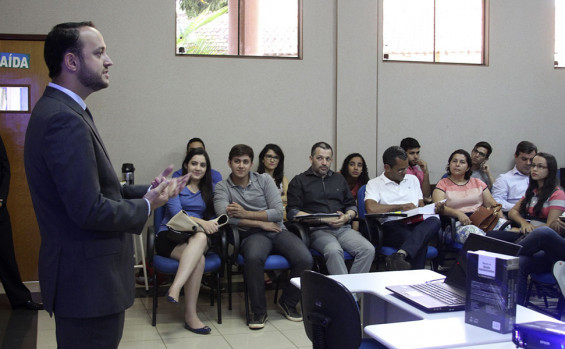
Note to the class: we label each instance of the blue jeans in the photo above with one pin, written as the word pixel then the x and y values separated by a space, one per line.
pixel 412 238
pixel 540 250
pixel 255 248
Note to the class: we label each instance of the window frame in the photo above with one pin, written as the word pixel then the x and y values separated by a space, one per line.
pixel 485 39
pixel 562 36
pixel 240 28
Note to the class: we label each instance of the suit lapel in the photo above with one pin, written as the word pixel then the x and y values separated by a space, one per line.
pixel 87 117
pixel 85 114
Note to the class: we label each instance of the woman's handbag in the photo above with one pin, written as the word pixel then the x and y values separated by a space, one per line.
pixel 182 226
pixel 486 218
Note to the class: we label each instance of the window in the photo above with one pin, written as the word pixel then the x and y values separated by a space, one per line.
pixel 439 31
pixel 559 34
pixel 14 99
pixel 260 28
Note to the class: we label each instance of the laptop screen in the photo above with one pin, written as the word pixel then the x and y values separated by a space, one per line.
pixel 457 276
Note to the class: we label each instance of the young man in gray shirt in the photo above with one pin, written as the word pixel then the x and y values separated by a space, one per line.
pixel 253 203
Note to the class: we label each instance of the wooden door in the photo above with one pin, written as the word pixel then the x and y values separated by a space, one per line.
pixel 13 127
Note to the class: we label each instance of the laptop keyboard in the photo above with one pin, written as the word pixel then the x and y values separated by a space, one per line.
pixel 436 291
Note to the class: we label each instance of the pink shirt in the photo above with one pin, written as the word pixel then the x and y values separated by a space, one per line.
pixel 555 202
pixel 416 171
pixel 466 198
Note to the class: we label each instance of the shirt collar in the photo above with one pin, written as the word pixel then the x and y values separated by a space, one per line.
pixel 387 181
pixel 310 172
pixel 516 172
pixel 252 178
pixel 69 93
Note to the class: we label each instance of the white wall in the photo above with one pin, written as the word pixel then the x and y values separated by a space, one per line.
pixel 519 96
pixel 340 92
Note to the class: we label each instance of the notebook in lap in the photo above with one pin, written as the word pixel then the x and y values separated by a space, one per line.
pixel 449 294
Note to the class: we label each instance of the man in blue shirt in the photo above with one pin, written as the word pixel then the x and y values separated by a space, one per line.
pixel 509 187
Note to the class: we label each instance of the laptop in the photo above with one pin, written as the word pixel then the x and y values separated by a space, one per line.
pixel 440 296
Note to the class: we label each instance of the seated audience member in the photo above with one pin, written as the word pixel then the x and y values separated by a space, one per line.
pixel 394 190
pixel 548 239
pixel 543 202
pixel 463 194
pixel 253 203
pixel 354 170
pixel 320 190
pixel 417 166
pixel 199 143
pixel 479 157
pixel 509 187
pixel 196 200
pixel 272 162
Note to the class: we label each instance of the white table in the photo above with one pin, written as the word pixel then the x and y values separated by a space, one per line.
pixel 398 324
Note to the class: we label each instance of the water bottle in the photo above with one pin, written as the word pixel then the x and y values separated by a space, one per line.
pixel 127 173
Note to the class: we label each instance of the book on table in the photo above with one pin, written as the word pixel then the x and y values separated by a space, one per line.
pixel 492 281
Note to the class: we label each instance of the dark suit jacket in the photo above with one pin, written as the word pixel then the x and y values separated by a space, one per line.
pixel 84 214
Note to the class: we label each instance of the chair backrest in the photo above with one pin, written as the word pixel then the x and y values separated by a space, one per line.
pixel 331 315
pixel 361 202
pixel 559 275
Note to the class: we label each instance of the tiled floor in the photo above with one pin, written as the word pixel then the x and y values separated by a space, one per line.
pixel 169 332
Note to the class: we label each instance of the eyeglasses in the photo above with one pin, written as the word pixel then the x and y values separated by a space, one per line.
pixel 475 151
pixel 272 158
pixel 541 167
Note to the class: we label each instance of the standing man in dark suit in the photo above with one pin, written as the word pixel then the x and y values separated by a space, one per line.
pixel 85 216
pixel 17 293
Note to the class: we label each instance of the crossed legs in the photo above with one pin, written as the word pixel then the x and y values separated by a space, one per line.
pixel 189 275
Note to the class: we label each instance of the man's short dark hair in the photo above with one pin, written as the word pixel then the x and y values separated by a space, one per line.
pixel 525 147
pixel 61 39
pixel 241 150
pixel 483 144
pixel 390 155
pixel 409 143
pixel 195 139
pixel 322 145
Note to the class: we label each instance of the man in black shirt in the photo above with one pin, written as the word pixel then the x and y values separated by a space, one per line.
pixel 320 190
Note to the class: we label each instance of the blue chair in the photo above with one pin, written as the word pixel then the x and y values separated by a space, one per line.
pixel 214 264
pixel 273 262
pixel 301 229
pixel 331 315
pixel 545 287
pixel 373 227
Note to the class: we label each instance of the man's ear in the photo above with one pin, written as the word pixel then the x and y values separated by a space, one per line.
pixel 71 62
pixel 387 168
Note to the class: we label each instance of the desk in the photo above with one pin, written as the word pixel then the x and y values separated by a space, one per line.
pixel 397 324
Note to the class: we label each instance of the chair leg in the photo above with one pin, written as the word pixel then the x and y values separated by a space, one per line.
pixel 560 306
pixel 229 286
pixel 219 295
pixel 155 289
pixel 212 291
